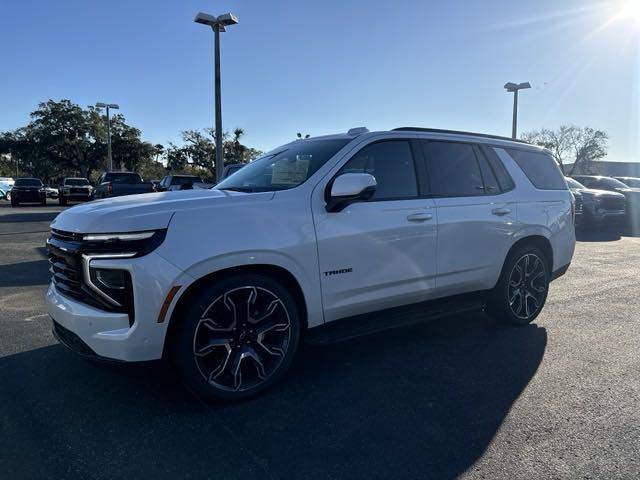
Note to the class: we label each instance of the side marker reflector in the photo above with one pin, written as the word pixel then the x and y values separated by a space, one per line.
pixel 167 302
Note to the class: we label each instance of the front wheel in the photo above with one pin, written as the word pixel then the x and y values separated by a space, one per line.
pixel 522 289
pixel 237 337
pixel 8 196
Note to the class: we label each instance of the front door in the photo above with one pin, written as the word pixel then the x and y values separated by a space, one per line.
pixel 378 253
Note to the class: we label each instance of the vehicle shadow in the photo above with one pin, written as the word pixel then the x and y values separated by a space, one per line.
pixel 605 234
pixel 28 217
pixel 418 402
pixel 25 274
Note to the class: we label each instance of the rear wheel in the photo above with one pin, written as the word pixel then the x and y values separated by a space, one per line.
pixel 522 290
pixel 237 337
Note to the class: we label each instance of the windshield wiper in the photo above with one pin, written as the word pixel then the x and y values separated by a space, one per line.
pixel 238 189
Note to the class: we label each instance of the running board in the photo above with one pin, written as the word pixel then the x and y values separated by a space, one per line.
pixel 374 322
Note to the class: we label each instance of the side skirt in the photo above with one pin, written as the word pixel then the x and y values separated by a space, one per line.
pixel 374 322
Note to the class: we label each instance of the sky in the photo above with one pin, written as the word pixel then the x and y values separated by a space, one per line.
pixel 326 66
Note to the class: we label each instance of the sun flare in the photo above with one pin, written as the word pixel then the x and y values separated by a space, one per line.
pixel 629 10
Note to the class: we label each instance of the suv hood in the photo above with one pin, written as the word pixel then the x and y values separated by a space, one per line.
pixel 147 211
pixel 591 192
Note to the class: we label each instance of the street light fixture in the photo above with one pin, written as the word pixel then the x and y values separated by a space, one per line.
pixel 218 24
pixel 108 106
pixel 515 87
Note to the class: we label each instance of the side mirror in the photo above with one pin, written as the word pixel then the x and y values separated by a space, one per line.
pixel 348 188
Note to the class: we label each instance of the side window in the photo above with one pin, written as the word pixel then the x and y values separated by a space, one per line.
pixel 453 169
pixel 391 162
pixel 540 168
pixel 491 186
pixel 505 181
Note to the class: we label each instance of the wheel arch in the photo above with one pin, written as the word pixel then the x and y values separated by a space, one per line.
pixel 536 240
pixel 276 272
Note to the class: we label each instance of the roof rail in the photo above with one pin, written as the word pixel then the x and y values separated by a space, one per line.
pixel 357 131
pixel 457 132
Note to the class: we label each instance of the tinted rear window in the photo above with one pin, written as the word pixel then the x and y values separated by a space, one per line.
pixel 28 182
pixel 122 178
pixel 540 168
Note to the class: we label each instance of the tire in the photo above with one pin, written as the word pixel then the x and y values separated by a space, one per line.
pixel 8 196
pixel 62 201
pixel 226 352
pixel 517 299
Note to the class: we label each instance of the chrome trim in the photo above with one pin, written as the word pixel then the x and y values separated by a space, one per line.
pixel 86 265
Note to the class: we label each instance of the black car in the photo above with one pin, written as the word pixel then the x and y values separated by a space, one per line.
pixel 28 190
pixel 178 182
pixel 596 206
pixel 632 182
pixel 611 184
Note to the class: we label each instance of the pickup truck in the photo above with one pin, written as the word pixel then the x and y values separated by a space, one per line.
pixel 118 184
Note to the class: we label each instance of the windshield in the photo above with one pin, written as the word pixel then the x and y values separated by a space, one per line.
pixel 28 182
pixel 575 184
pixel 284 167
pixel 76 181
pixel 611 183
pixel 632 182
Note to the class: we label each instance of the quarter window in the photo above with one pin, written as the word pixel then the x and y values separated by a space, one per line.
pixel 454 170
pixel 391 163
pixel 541 169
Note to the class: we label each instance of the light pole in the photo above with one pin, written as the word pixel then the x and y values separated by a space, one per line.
pixel 217 24
pixel 514 87
pixel 108 106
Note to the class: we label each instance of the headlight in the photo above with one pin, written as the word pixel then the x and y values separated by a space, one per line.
pixel 134 244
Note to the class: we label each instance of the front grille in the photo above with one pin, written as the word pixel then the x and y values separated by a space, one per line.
pixel 579 205
pixel 67 273
pixel 612 203
pixel 66 236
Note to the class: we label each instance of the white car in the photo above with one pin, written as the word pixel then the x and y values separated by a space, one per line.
pixel 308 242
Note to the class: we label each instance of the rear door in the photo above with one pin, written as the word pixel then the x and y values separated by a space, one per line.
pixel 476 216
pixel 378 253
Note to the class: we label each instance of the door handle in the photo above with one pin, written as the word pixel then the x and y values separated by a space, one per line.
pixel 501 211
pixel 419 217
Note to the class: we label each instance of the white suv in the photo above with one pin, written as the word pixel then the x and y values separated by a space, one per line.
pixel 413 223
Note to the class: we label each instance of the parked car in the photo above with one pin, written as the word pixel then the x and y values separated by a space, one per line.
pixel 75 190
pixel 51 192
pixel 117 184
pixel 231 169
pixel 28 190
pixel 179 182
pixel 5 190
pixel 8 180
pixel 611 184
pixel 631 182
pixel 596 206
pixel 311 240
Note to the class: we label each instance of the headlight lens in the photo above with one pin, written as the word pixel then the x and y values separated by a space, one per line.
pixel 114 285
pixel 135 244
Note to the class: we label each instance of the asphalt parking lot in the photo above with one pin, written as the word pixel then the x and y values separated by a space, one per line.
pixel 458 397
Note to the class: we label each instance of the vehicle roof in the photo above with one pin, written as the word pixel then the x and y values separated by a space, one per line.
pixel 436 133
pixel 28 178
pixel 75 178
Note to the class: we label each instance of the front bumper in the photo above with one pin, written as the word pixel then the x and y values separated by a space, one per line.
pixel 109 334
pixel 22 196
